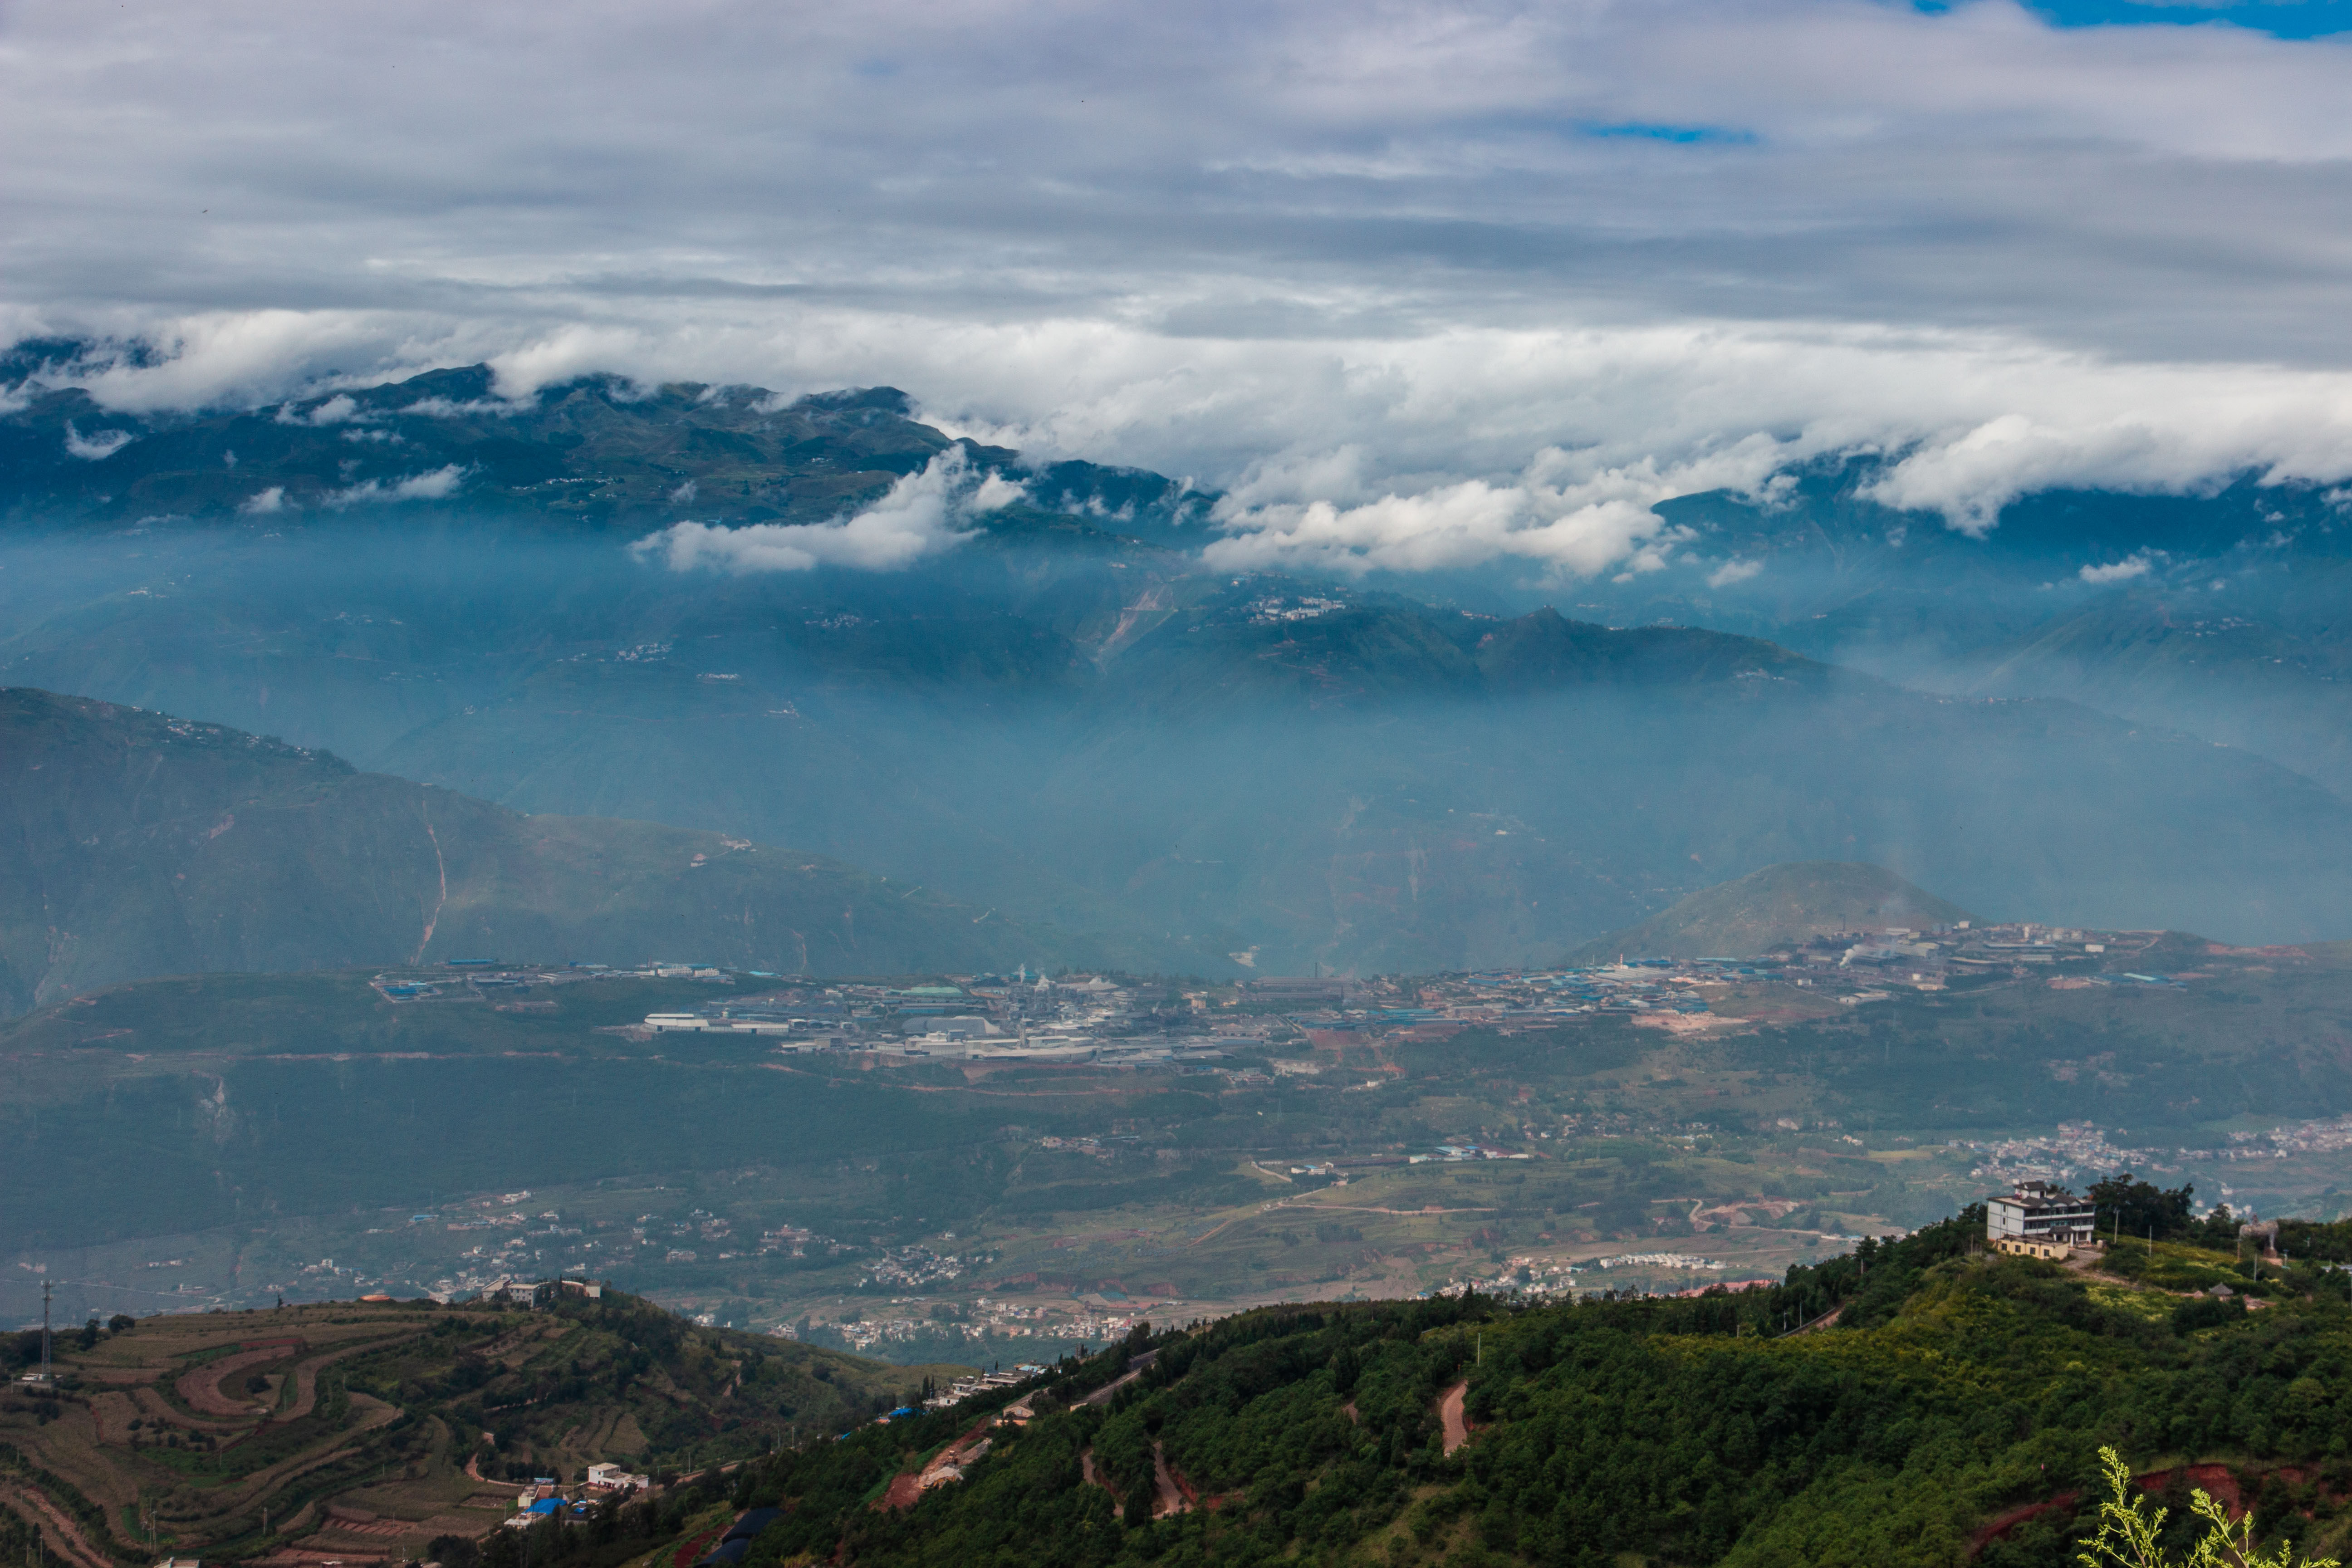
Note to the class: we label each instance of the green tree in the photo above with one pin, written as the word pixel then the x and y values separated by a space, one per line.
pixel 2141 1207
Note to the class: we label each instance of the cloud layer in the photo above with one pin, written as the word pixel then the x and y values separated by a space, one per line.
pixel 923 514
pixel 1418 283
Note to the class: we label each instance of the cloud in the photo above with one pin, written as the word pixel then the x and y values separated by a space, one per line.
pixel 1732 572
pixel 439 484
pixel 448 408
pixel 1367 269
pixel 2122 571
pixel 335 410
pixel 917 517
pixel 99 447
pixel 995 493
pixel 261 503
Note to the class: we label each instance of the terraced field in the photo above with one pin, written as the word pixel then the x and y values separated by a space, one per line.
pixel 359 1432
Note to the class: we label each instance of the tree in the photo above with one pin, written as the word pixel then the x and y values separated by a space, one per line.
pixel 2142 1208
pixel 121 1324
pixel 2129 1523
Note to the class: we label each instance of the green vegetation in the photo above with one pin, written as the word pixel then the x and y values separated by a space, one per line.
pixel 1955 1408
pixel 2131 1532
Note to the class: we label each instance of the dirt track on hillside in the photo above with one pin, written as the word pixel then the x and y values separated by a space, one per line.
pixel 1449 1411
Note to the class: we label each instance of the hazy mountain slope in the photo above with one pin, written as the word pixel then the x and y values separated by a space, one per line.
pixel 2196 667
pixel 136 844
pixel 1353 789
pixel 1773 905
pixel 1068 720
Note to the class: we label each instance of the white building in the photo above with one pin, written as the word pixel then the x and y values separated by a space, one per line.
pixel 612 1477
pixel 2041 1219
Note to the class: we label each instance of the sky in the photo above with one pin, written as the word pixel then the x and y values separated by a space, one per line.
pixel 1414 284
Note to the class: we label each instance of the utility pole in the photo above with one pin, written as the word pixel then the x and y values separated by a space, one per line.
pixel 48 1382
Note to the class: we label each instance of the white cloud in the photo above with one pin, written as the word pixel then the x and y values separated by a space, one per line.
pixel 99 447
pixel 439 484
pixel 335 410
pixel 2122 571
pixel 917 518
pixel 1732 572
pixel 684 493
pixel 262 502
pixel 995 493
pixel 446 408
pixel 1368 269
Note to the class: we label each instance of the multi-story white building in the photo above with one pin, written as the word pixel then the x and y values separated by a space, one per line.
pixel 2041 1220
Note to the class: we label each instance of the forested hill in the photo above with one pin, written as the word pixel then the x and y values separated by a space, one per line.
pixel 1953 1393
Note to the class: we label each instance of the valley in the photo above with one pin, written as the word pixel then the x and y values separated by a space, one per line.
pixel 976 1167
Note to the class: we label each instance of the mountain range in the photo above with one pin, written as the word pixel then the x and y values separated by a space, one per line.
pixel 1065 719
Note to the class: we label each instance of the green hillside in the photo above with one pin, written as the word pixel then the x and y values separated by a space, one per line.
pixel 1773 906
pixel 136 844
pixel 1951 1410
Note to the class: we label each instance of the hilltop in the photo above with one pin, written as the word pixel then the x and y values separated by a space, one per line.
pixel 1869 1410
pixel 137 844
pixel 362 1429
pixel 1776 905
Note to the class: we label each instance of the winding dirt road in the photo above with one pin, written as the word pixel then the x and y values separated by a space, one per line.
pixel 1449 1411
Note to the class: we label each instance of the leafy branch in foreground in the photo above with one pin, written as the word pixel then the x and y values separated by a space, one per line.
pixel 2128 1525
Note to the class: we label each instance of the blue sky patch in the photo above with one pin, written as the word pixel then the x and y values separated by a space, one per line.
pixel 1687 134
pixel 2279 18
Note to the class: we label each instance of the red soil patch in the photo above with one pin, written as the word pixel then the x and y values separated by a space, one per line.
pixel 695 1548
pixel 200 1389
pixel 2217 1482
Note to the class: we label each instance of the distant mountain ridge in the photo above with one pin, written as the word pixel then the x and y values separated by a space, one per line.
pixel 1772 905
pixel 1069 720
pixel 592 453
pixel 133 844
